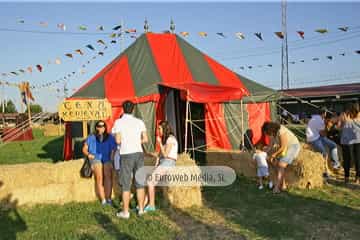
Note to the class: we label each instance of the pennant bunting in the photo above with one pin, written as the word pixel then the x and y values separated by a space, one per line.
pixel 258 35
pixel 100 28
pixel 203 34
pixel 342 54
pixel 101 42
pixel 184 34
pixel 315 59
pixel 79 51
pixel 357 51
pixel 15 73
pixel 58 61
pixel 61 26
pixel 133 36
pixel 292 62
pixel 280 35
pixel 4 74
pixel 113 35
pixel 242 68
pixel 221 34
pixel 116 27
pixel 301 34
pixel 82 28
pixel 302 61
pixel 113 41
pixel 43 24
pixel 321 30
pixel 330 57
pixel 20 20
pixel 101 53
pixel 269 65
pixel 88 62
pixel 39 67
pixel 130 30
pixel 69 55
pixel 344 29
pixel 240 35
pixel 90 47
pixel 22 71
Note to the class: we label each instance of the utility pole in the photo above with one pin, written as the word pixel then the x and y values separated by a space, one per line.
pixel 122 36
pixel 284 49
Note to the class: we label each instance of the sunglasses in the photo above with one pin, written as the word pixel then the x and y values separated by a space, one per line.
pixel 100 126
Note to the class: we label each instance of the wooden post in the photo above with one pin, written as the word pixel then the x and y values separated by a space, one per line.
pixel 28 108
pixel 186 124
pixel 85 130
pixel 242 124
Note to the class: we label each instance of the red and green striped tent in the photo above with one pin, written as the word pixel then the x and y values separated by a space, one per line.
pixel 154 65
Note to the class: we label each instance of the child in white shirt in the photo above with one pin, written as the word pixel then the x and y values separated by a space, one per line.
pixel 259 158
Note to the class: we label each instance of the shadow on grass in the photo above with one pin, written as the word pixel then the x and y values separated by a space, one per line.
pixel 340 183
pixel 106 223
pixel 286 215
pixel 53 150
pixel 11 222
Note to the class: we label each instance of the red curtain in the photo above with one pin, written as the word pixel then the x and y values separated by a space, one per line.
pixel 258 113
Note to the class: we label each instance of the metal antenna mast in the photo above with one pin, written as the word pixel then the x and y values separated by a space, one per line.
pixel 284 49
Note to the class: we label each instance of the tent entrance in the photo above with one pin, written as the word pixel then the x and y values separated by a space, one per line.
pixel 175 114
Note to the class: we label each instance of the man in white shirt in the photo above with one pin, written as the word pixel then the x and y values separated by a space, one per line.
pixel 130 133
pixel 316 137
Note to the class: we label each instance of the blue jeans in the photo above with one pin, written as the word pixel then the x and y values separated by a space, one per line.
pixel 320 145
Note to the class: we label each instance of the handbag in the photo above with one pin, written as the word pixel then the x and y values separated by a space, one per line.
pixel 86 171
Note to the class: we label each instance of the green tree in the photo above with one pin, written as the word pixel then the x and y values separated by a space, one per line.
pixel 9 107
pixel 35 108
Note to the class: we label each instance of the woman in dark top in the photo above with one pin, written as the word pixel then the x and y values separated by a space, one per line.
pixel 350 140
pixel 99 148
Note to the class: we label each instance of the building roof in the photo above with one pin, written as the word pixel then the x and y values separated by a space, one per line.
pixel 324 91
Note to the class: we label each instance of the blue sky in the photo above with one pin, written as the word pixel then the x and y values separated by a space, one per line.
pixel 22 49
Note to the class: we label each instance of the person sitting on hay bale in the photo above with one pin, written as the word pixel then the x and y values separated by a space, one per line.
pixel 99 148
pixel 288 150
pixel 168 155
pixel 350 140
pixel 316 137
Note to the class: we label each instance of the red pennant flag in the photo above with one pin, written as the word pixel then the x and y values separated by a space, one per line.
pixel 301 34
pixel 39 67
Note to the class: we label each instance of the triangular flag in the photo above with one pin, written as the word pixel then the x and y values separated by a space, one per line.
pixel 94 57
pixel 101 53
pixel 250 67
pixel 203 34
pixel 131 30
pixel 90 47
pixel 302 61
pixel 301 34
pixel 315 59
pixel 221 34
pixel 258 35
pixel 280 35
pixel 21 70
pixel 242 68
pixel 321 30
pixel 73 73
pixel 269 65
pixel 330 57
pixel 82 71
pixel 357 51
pixel 116 27
pixel 119 34
pixel 113 35
pixel 344 29
pixel 4 74
pixel 69 55
pixel 20 20
pixel 240 35
pixel 43 24
pixel 184 34
pixel 58 61
pixel 79 51
pixel 88 62
pixel 292 62
pixel 29 69
pixel 39 67
pixel 113 41
pixel 342 54
pixel 83 66
pixel 61 26
pixel 82 28
pixel 133 36
pixel 15 73
pixel 105 47
pixel 100 28
pixel 101 42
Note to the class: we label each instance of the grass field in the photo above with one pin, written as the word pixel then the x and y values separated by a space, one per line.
pixel 239 211
pixel 41 149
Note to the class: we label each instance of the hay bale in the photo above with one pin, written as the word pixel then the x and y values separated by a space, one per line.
pixel 305 172
pixel 52 130
pixel 183 197
pixel 33 183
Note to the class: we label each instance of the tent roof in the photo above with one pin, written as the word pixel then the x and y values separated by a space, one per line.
pixel 169 60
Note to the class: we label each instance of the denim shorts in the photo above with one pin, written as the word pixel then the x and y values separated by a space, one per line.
pixel 166 162
pixel 262 171
pixel 95 161
pixel 291 153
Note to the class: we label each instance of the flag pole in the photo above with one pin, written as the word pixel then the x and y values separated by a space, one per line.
pixel 28 109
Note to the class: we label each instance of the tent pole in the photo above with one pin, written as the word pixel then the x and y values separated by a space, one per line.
pixel 242 124
pixel 186 123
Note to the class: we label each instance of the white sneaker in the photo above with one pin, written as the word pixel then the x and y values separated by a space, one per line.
pixel 261 187
pixel 271 185
pixel 122 214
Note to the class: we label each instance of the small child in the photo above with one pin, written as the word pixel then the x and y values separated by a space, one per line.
pixel 262 166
